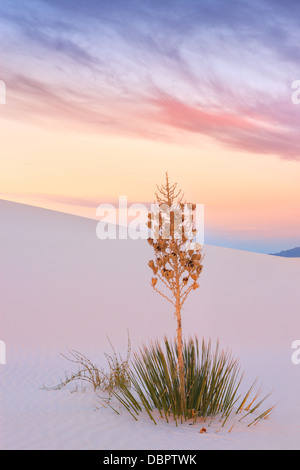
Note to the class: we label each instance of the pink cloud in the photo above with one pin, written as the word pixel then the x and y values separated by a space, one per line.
pixel 262 127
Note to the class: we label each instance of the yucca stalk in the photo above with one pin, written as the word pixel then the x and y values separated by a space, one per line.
pixel 177 264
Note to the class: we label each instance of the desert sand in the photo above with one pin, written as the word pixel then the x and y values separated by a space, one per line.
pixel 63 289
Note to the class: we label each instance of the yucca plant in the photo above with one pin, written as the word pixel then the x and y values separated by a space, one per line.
pixel 212 385
pixel 177 262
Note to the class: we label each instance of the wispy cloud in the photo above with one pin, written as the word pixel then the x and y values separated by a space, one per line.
pixel 167 72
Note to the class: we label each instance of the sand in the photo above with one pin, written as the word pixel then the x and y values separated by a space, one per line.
pixel 63 289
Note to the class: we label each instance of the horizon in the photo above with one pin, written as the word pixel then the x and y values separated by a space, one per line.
pixel 207 240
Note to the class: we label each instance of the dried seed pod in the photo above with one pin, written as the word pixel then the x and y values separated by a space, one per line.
pixel 190 265
pixel 199 269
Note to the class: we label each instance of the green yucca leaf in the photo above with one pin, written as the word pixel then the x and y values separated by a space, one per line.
pixel 212 383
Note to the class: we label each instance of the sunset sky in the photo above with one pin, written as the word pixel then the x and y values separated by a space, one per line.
pixel 103 97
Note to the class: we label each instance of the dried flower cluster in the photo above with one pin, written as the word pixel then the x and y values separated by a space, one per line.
pixel 176 268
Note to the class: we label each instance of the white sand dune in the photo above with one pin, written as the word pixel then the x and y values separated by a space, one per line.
pixel 61 288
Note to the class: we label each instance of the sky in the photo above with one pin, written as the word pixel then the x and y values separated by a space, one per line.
pixel 103 97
